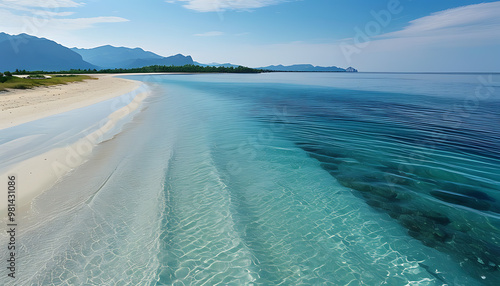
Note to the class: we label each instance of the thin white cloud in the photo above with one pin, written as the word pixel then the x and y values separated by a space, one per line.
pixel 442 41
pixel 224 5
pixel 44 13
pixel 36 16
pixel 210 34
pixel 16 24
pixel 479 20
pixel 42 3
pixel 82 23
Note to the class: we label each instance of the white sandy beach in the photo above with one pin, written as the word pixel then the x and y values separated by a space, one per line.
pixel 40 172
pixel 21 106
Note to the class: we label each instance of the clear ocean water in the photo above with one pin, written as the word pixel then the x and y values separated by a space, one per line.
pixel 283 179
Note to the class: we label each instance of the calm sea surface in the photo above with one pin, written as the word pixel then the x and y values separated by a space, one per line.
pixel 284 179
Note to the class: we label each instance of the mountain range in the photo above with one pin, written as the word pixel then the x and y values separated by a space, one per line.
pixel 226 65
pixel 307 68
pixel 25 52
pixel 110 57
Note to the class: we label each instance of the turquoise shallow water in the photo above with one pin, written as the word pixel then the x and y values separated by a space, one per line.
pixel 283 179
pixel 37 137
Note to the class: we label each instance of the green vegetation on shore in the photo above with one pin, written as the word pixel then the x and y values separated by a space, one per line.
pixel 154 69
pixel 9 81
pixel 37 78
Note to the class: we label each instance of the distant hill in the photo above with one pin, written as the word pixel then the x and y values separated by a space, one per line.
pixel 4 37
pixel 176 60
pixel 25 52
pixel 110 57
pixel 226 65
pixel 292 68
pixel 307 68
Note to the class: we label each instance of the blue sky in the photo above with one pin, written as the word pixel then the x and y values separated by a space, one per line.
pixel 371 35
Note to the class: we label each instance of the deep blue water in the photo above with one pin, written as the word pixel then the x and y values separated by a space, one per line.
pixel 287 179
pixel 422 149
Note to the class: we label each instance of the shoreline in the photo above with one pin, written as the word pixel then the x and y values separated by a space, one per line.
pixel 41 172
pixel 22 106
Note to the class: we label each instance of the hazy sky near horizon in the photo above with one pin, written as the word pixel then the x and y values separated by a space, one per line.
pixel 370 35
